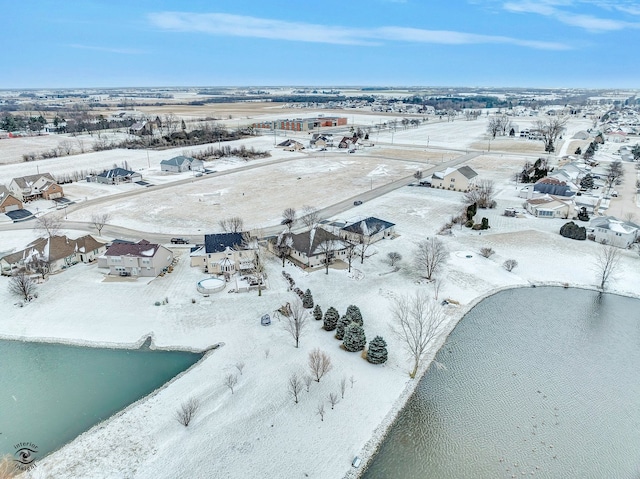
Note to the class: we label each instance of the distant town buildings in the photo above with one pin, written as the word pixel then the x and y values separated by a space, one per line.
pixel 302 124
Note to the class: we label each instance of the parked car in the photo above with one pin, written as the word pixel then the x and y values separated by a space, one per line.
pixel 323 149
pixel 179 241
pixel 352 151
pixel 357 203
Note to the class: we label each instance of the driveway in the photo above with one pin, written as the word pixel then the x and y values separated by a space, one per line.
pixel 626 203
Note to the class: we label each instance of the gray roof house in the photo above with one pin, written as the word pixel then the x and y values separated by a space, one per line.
pixel 313 248
pixel 368 230
pixel 224 253
pixel 179 164
pixel 117 176
pixel 610 230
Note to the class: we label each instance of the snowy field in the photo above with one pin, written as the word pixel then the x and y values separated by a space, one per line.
pixel 258 431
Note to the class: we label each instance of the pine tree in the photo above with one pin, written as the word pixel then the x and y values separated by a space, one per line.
pixel 377 352
pixel 354 338
pixel 342 326
pixel 307 300
pixel 331 319
pixel 354 313
pixel 317 312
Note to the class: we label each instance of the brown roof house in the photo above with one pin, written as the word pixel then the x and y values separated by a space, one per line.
pixel 52 254
pixel 32 187
pixel 8 202
pixel 136 259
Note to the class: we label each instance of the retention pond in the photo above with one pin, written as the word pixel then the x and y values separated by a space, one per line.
pixel 51 393
pixel 540 382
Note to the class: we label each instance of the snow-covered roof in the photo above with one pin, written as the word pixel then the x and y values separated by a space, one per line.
pixel 368 226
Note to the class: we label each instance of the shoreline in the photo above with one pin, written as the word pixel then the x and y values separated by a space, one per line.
pixel 372 446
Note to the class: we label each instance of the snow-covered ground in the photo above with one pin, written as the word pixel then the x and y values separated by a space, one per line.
pixel 258 431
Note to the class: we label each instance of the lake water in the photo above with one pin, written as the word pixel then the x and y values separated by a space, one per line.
pixel 51 393
pixel 540 382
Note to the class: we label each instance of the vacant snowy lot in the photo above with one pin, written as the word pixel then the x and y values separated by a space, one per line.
pixel 258 431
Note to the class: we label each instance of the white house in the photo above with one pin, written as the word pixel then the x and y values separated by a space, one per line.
pixel 224 253
pixel 549 206
pixel 179 164
pixel 136 259
pixel 609 230
pixel 457 179
pixel 368 230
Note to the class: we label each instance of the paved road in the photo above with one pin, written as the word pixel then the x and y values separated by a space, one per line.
pixel 127 233
pixel 626 202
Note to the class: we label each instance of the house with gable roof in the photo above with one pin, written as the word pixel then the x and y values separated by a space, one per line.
pixel 554 186
pixel 368 230
pixel 52 254
pixel 457 179
pixel 225 253
pixel 314 247
pixel 8 201
pixel 550 206
pixel 136 259
pixel 32 187
pixel 117 176
pixel 179 164
pixel 610 230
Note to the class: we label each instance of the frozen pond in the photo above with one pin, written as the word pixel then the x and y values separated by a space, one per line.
pixel 532 383
pixel 51 393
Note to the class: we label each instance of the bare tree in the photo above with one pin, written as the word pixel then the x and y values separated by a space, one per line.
pixel 510 264
pixel 416 321
pixel 187 410
pixel 607 262
pixel 283 245
pixel 48 224
pixel 170 123
pixel 307 381
pixel 498 124
pixel 319 363
pixel 363 246
pixel 22 285
pixel 326 245
pixel 394 257
pixel 320 411
pixel 40 265
pixel 352 380
pixel 431 256
pixel 66 147
pixel 614 173
pixel 550 130
pixel 333 399
pixel 437 287
pixel 230 381
pixel 294 386
pixel 486 251
pixel 99 220
pixel 81 145
pixel 343 386
pixel 297 321
pixel 351 253
pixel 482 195
pixel 310 217
pixel 240 366
pixel 288 218
pixel 234 224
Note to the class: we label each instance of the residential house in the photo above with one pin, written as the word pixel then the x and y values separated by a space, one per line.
pixel 52 254
pixel 291 145
pixel 549 206
pixel 8 202
pixel 136 259
pixel 32 187
pixel 554 186
pixel 458 179
pixel 348 142
pixel 314 247
pixel 143 128
pixel 225 253
pixel 179 164
pixel 368 230
pixel 609 230
pixel 117 176
pixel 321 141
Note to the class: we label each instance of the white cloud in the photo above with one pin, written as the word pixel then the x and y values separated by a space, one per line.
pixel 124 51
pixel 591 23
pixel 246 26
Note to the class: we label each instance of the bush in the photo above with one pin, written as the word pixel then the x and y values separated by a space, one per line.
pixel 486 251
pixel 510 264
pixel 353 312
pixel 307 300
pixel 469 224
pixel 187 410
pixel 317 313
pixel 331 319
pixel 485 224
pixel 573 231
pixel 354 338
pixel 377 352
pixel 342 326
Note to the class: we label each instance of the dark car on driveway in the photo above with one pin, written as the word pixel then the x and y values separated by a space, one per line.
pixel 179 241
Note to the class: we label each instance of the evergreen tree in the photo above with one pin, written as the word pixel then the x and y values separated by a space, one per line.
pixel 307 300
pixel 587 181
pixel 331 319
pixel 317 312
pixel 342 326
pixel 377 352
pixel 354 313
pixel 354 338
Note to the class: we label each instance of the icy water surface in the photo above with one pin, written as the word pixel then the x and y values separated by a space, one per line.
pixel 51 393
pixel 538 383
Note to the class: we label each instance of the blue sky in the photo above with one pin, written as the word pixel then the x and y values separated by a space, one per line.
pixel 543 43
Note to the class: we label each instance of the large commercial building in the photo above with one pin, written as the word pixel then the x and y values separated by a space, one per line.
pixel 302 124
